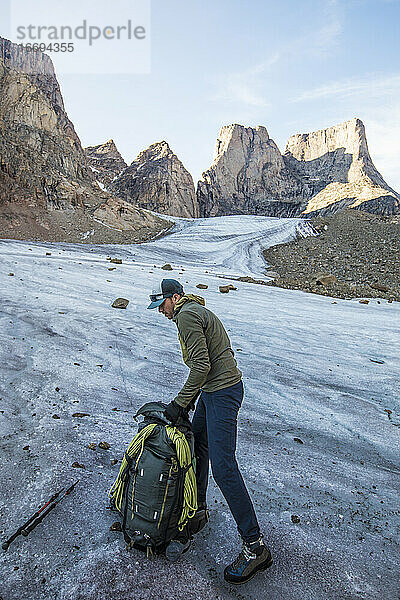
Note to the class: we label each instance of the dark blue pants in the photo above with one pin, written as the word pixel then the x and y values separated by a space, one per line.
pixel 215 431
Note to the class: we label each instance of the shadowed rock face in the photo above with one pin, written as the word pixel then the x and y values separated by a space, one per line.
pixel 336 171
pixel 42 164
pixel 248 176
pixel 42 160
pixel 105 161
pixel 157 180
pixel 326 171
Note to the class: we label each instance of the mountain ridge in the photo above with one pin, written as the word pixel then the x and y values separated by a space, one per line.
pixel 47 190
pixel 325 171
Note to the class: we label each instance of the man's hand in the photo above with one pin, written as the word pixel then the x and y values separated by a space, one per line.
pixel 173 411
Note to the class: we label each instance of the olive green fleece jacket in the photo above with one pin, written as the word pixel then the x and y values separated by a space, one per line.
pixel 206 349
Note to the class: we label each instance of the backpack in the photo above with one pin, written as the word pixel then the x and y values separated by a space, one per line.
pixel 155 491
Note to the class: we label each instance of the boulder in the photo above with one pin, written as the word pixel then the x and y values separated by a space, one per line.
pixel 120 303
pixel 325 279
pixel 225 289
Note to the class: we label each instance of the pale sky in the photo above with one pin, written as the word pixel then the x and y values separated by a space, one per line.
pixel 291 66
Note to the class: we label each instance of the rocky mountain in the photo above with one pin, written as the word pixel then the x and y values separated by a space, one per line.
pixel 47 190
pixel 51 188
pixel 248 176
pixel 320 172
pixel 158 181
pixel 336 170
pixel 41 158
pixel 105 161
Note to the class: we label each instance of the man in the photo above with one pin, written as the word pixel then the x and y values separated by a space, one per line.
pixel 207 351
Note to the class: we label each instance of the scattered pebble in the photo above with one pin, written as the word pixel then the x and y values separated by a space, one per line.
pixel 77 465
pixel 379 286
pixel 295 519
pixel 389 413
pixel 167 267
pixel 116 526
pixel 104 445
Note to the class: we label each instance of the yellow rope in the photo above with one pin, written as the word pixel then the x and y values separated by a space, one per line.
pixel 137 444
pixel 190 486
pixel 184 459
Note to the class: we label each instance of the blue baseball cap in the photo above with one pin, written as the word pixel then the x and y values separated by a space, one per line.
pixel 167 288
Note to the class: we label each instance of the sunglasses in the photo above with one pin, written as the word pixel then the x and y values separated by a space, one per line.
pixel 155 297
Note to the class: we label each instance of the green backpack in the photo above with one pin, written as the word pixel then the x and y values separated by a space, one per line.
pixel 155 491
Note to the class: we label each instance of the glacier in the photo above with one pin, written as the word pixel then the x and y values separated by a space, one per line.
pixel 318 440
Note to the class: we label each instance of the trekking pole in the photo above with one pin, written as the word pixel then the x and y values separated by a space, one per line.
pixel 6 544
pixel 26 530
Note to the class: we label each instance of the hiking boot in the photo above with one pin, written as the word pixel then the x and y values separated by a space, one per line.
pixel 176 548
pixel 254 557
pixel 199 520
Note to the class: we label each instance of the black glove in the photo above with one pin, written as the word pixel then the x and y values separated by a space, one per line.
pixel 173 411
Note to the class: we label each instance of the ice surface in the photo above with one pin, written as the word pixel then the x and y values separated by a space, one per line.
pixel 309 373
